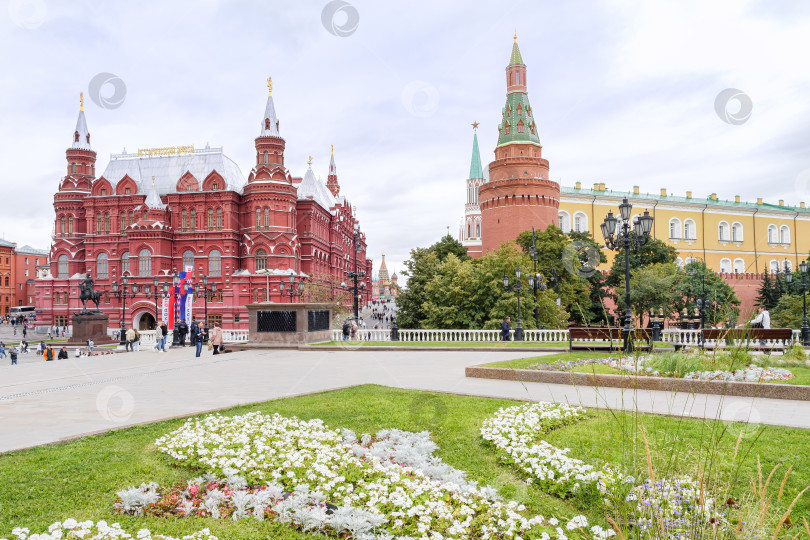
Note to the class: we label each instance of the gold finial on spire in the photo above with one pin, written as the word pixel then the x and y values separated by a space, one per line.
pixel 333 149
pixel 269 86
pixel 153 181
pixel 475 127
pixel 81 101
pixel 515 36
pixel 310 161
pixel 354 210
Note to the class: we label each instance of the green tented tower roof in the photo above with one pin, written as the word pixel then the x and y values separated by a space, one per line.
pixel 476 171
pixel 515 59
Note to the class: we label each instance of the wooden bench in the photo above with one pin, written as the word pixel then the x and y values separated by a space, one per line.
pixel 605 339
pixel 780 338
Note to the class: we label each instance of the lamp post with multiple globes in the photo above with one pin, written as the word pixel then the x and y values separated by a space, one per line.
pixel 627 238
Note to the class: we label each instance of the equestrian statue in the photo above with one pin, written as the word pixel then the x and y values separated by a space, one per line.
pixel 88 293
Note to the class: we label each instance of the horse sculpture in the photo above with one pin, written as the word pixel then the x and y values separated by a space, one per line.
pixel 88 293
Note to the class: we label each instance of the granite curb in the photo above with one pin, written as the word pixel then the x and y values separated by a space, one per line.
pixel 727 388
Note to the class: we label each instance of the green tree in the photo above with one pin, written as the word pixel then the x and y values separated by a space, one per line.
pixel 566 266
pixel 653 252
pixel 722 303
pixel 773 287
pixel 422 266
pixel 788 312
pixel 652 287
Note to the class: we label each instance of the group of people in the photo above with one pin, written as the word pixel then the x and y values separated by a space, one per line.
pixel 349 329
pixel 46 351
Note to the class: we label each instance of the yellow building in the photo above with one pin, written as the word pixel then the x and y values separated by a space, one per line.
pixel 731 236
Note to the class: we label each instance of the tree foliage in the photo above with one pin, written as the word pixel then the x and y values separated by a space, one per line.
pixel 722 303
pixel 653 252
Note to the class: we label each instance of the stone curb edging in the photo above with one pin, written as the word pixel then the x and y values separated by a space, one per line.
pixel 641 382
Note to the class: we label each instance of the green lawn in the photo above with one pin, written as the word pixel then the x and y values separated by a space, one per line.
pixel 449 344
pixel 79 479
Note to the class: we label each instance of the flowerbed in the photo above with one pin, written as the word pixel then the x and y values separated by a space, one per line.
pixel 87 530
pixel 676 507
pixel 641 366
pixel 317 479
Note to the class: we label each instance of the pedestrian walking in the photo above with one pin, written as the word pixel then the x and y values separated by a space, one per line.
pixel 164 331
pixel 216 338
pixel 25 332
pixel 130 335
pixel 40 347
pixel 90 345
pixel 137 343
pixel 196 337
pixel 2 350
pixel 347 328
pixel 354 330
pixel 13 355
pixel 505 329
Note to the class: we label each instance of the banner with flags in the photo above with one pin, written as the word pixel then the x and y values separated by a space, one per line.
pixel 184 298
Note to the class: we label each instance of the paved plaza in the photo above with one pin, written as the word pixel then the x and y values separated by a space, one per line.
pixel 43 402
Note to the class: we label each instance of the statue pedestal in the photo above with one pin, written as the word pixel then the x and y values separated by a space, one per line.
pixel 289 324
pixel 89 326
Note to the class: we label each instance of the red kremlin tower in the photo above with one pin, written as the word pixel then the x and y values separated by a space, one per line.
pixel 518 195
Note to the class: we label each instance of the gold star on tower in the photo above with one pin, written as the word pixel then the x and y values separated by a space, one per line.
pixel 475 127
pixel 310 161
pixel 81 101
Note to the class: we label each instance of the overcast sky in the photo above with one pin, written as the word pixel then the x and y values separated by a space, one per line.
pixel 623 92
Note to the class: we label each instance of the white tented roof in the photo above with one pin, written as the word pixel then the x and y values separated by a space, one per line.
pixel 312 188
pixel 167 170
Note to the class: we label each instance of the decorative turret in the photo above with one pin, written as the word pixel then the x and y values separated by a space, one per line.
pixel 517 123
pixel 383 274
pixel 269 144
pixel 332 180
pixel 80 156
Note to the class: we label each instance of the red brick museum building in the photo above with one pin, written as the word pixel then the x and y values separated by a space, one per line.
pixel 161 210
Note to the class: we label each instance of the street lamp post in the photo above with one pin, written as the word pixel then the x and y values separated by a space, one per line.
pixel 122 293
pixel 518 288
pixel 155 289
pixel 355 276
pixel 627 240
pixel 533 283
pixel 701 302
pixel 291 289
pixel 204 290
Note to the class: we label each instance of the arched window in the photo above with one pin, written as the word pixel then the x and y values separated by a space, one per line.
pixel 106 223
pixel 722 231
pixel 737 232
pixel 690 260
pixel 214 263
pixel 679 262
pixel 131 220
pixel 469 230
pixel 787 265
pixel 123 223
pixel 772 235
pixel 258 219
pixel 675 229
pixel 210 219
pixel 478 230
pixel 261 260
pixel 739 266
pixel 63 267
pixel 184 220
pixel 70 225
pixel 219 219
pixel 580 222
pixel 124 262
pixel 564 221
pixel 215 186
pixel 102 266
pixel 689 230
pixel 145 262
pixel 267 219
pixel 188 259
pixel 62 227
pixel 98 223
pixel 774 266
pixel 193 220
pixel 784 234
pixel 725 266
